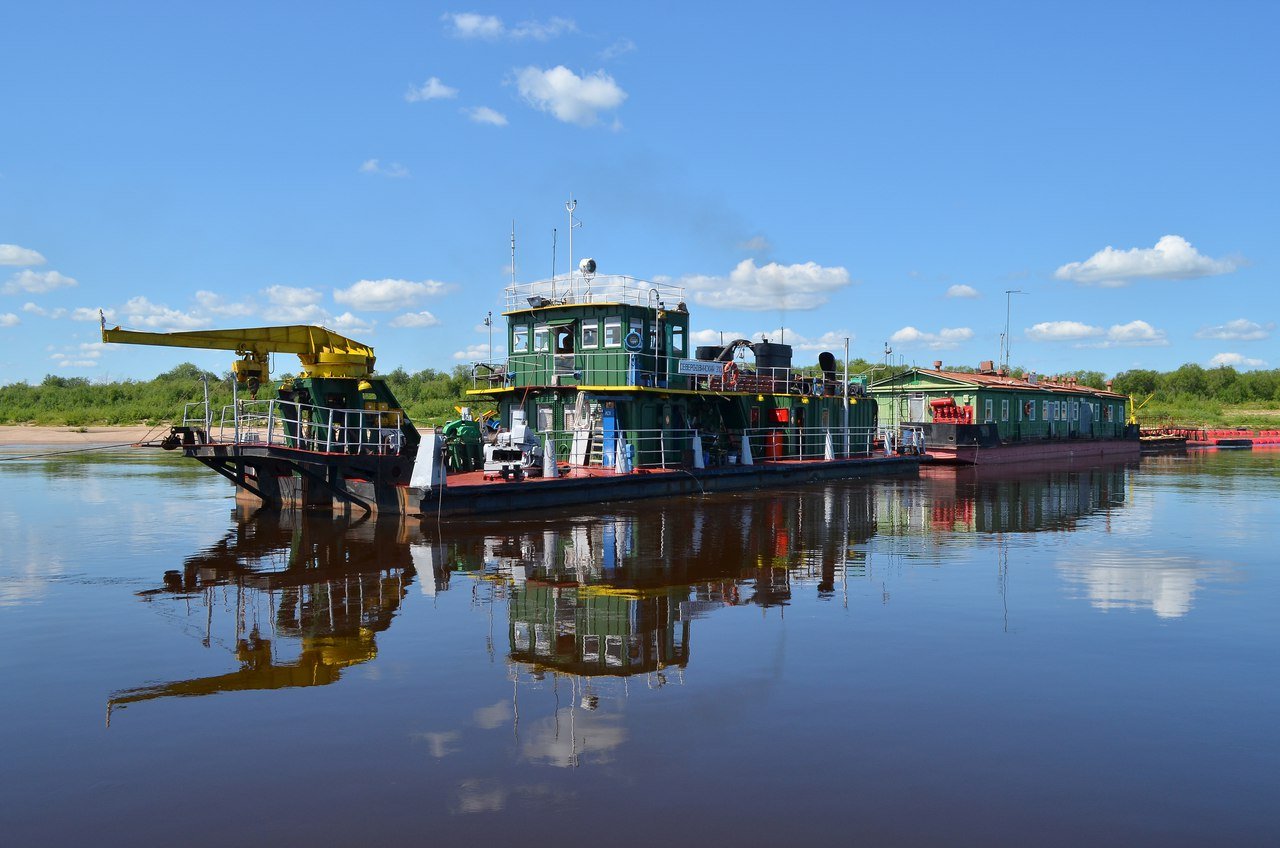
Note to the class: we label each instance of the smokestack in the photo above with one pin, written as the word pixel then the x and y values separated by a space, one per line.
pixel 1108 385
pixel 937 365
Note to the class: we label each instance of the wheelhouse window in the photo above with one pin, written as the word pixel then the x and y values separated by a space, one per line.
pixel 613 332
pixel 564 339
pixel 541 338
pixel 591 333
pixel 677 341
pixel 520 338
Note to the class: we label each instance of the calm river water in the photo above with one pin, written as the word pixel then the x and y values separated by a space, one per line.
pixel 1080 656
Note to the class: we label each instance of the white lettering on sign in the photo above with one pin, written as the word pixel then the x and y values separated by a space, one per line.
pixel 698 368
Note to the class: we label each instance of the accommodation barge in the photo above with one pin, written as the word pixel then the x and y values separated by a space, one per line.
pixel 992 417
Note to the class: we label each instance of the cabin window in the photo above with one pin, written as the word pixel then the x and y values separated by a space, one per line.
pixel 541 338
pixel 1004 410
pixel 988 417
pixel 1063 411
pixel 546 418
pixel 520 338
pixel 1045 416
pixel 590 333
pixel 677 340
pixel 1031 410
pixel 613 332
pixel 1075 410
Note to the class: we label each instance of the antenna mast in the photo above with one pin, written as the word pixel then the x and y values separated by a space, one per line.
pixel 553 263
pixel 1005 341
pixel 569 206
pixel 513 251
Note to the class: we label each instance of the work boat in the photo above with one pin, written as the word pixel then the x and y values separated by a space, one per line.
pixel 601 398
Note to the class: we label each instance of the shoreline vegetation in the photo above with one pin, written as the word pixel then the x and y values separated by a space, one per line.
pixel 71 407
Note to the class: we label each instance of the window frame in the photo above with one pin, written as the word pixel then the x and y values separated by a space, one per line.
pixel 590 326
pixel 543 331
pixel 518 332
pixel 612 322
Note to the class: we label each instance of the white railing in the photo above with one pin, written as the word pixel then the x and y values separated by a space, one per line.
pixel 659 448
pixel 600 367
pixel 195 415
pixel 580 288
pixel 281 423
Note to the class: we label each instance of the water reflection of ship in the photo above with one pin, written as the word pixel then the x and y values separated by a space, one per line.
pixel 614 595
pixel 308 585
pixel 1004 500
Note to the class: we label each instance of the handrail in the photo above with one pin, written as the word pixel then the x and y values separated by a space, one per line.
pixel 282 423
pixel 580 288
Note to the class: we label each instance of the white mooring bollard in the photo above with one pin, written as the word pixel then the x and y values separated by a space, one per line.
pixel 621 462
pixel 697 451
pixel 746 451
pixel 829 451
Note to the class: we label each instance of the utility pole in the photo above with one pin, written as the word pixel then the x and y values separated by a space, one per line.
pixel 488 322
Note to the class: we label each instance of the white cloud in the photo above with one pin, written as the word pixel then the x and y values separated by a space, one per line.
pixel 394 169
pixel 962 291
pixel 88 313
pixel 1173 258
pixel 1135 334
pixel 472 25
pixel 38 282
pixel 714 337
pixel 291 296
pixel 216 304
pixel 386 295
pixel 567 96
pixel 1234 360
pixel 37 309
pixel 478 353
pixel 766 287
pixel 432 89
pixel 8 319
pixel 485 115
pixel 142 313
pixel 12 254
pixel 621 47
pixel 1062 331
pixel 346 323
pixel 415 319
pixel 944 339
pixel 1240 329
pixel 84 355
pixel 756 244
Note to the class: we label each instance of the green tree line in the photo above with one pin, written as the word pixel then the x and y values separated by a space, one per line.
pixel 1190 394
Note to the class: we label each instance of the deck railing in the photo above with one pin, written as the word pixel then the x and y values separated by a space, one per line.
pixel 281 423
pixel 596 288
pixel 673 448
pixel 601 367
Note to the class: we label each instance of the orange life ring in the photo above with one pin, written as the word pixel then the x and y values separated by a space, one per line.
pixel 730 376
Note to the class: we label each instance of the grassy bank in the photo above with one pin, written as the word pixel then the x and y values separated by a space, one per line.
pixel 1214 397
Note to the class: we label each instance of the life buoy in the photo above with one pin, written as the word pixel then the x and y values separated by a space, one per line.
pixel 730 376
pixel 633 342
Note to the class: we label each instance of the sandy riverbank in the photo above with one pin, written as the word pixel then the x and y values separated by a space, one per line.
pixel 33 435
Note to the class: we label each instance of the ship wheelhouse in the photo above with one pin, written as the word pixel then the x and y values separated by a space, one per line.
pixel 602 364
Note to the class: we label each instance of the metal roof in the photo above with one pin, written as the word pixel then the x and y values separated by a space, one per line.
pixel 995 381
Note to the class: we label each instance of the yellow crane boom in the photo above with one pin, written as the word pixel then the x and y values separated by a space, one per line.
pixel 323 353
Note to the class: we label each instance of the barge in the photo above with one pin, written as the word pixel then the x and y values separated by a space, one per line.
pixel 992 417
pixel 600 399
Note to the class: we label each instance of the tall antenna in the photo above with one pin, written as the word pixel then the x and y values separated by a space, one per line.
pixel 553 263
pixel 1005 341
pixel 513 251
pixel 569 206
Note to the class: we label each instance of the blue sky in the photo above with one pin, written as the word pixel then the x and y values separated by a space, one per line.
pixel 880 171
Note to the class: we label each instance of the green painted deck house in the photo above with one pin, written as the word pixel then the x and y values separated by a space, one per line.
pixel 1021 409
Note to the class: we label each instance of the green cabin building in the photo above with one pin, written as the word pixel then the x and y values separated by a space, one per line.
pixel 598 361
